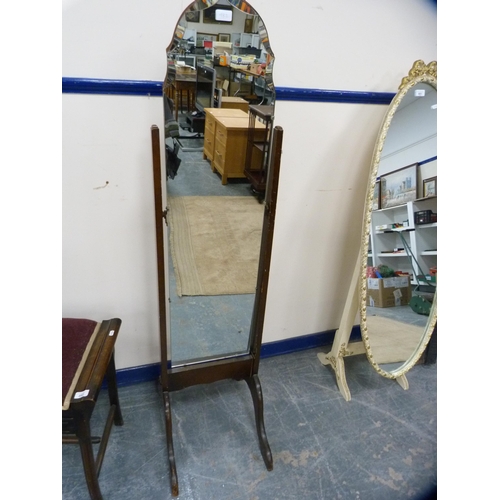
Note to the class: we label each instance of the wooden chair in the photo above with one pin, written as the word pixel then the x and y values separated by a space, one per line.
pixel 88 359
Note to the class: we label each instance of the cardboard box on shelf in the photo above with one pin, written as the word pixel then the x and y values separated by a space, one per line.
pixel 388 292
pixel 241 61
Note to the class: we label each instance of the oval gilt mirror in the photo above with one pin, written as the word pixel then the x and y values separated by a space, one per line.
pixel 398 286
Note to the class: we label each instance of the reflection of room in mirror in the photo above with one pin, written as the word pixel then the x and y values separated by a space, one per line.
pixel 401 271
pixel 393 286
pixel 230 42
pixel 394 333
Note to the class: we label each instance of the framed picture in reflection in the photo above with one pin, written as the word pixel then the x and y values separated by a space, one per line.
pixel 193 16
pixel 430 187
pixel 399 186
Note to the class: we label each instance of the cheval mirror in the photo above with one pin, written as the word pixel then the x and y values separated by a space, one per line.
pixel 394 286
pixel 216 200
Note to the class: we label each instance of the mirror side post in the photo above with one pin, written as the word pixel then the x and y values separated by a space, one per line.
pixel 162 297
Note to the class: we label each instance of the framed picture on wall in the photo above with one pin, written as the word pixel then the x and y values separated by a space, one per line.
pixel 430 187
pixel 249 25
pixel 193 16
pixel 399 186
pixel 201 38
pixel 179 32
pixel 224 37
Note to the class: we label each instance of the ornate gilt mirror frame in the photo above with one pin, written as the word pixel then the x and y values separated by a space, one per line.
pixel 419 73
pixel 356 297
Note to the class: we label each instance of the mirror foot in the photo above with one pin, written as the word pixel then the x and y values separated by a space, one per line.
pixel 337 363
pixel 174 485
pixel 403 382
pixel 323 358
pixel 258 404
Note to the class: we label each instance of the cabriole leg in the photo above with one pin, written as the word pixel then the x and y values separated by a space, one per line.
pixel 258 404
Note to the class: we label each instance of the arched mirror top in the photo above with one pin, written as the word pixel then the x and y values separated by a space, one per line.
pixel 420 74
pixel 193 15
pixel 404 127
pixel 219 99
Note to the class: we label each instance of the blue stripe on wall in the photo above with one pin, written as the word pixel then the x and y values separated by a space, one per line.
pixel 148 373
pixel 428 160
pixel 151 88
pixel 320 95
pixel 120 87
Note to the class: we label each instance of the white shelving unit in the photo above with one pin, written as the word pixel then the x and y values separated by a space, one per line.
pixel 387 245
pixel 243 40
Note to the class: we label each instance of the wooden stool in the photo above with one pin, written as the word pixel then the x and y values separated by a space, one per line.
pixel 87 359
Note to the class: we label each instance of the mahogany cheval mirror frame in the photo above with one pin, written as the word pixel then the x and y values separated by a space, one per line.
pixel 243 367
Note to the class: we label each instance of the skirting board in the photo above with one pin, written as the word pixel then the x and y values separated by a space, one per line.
pixel 147 373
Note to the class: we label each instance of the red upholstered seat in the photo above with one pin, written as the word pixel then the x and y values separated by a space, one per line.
pixel 88 359
pixel 76 336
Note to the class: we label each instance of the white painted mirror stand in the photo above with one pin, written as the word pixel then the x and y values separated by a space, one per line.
pixel 341 346
pixel 409 149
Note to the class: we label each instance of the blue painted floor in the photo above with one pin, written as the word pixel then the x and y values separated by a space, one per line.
pixel 381 445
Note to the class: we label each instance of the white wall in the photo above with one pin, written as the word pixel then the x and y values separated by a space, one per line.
pixel 108 232
pixel 412 138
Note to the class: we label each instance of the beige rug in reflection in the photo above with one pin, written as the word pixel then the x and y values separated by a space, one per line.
pixel 392 341
pixel 215 243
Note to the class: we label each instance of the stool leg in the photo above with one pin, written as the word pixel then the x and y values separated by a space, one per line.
pixel 113 390
pixel 85 441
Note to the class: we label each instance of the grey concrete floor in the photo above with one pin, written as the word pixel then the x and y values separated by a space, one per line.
pixel 381 445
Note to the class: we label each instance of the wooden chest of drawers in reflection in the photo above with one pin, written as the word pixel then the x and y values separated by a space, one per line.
pixel 210 123
pixel 234 103
pixel 231 138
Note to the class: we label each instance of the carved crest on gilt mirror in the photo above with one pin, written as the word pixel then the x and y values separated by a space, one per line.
pixel 394 286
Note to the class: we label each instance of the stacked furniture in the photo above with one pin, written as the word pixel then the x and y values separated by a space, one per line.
pixel 225 141
pixel 257 153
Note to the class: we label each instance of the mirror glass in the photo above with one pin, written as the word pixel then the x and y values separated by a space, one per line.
pixel 219 64
pixel 399 271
